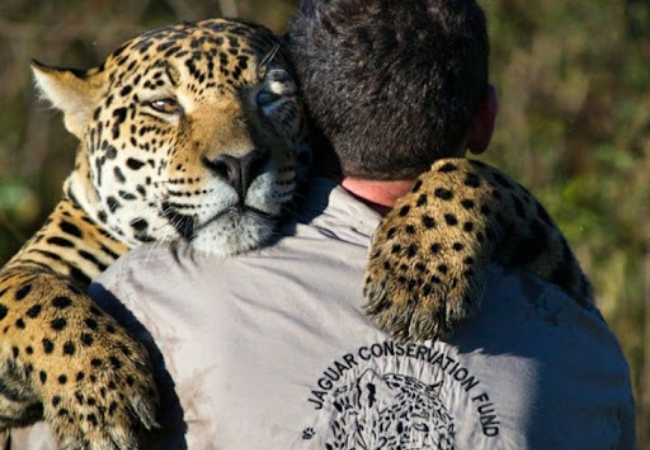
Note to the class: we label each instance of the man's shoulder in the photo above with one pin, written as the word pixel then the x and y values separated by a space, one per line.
pixel 526 314
pixel 561 354
pixel 531 297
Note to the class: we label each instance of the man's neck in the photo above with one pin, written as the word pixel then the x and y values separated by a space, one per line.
pixel 379 195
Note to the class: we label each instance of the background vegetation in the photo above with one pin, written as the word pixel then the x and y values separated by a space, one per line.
pixel 574 126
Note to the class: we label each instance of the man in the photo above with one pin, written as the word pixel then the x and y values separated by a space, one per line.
pixel 272 349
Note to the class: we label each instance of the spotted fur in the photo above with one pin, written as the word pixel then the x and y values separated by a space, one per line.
pixel 192 132
pixel 428 265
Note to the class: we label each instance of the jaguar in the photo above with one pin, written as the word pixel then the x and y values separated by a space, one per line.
pixel 189 132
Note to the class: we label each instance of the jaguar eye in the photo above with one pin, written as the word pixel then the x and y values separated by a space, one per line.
pixel 279 76
pixel 166 106
pixel 279 82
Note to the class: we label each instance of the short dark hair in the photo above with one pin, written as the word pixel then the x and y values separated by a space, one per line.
pixel 392 84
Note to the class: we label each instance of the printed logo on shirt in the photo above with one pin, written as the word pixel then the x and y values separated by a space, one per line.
pixel 362 407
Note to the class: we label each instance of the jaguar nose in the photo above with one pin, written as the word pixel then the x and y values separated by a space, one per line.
pixel 238 171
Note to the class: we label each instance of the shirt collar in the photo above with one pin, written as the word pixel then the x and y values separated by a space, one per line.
pixel 327 200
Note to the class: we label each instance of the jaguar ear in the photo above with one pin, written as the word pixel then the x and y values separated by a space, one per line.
pixel 74 92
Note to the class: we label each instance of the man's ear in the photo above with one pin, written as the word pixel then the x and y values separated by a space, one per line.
pixel 74 92
pixel 481 129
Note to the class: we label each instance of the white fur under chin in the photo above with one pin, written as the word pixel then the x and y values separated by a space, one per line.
pixel 233 234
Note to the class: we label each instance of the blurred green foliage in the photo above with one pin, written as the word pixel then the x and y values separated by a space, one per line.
pixel 574 124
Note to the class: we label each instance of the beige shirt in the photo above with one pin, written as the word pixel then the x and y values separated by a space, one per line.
pixel 272 350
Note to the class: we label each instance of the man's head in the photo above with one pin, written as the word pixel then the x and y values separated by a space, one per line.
pixel 393 84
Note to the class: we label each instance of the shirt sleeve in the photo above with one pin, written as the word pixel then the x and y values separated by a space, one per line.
pixel 628 427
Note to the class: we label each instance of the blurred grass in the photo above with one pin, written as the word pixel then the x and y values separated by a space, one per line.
pixel 574 125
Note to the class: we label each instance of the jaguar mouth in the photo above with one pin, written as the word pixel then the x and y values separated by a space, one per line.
pixel 183 223
pixel 188 228
pixel 241 210
pixel 236 212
